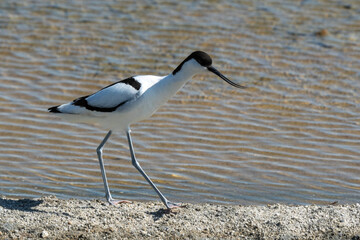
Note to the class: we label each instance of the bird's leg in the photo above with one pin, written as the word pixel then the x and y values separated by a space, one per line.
pixel 103 173
pixel 135 163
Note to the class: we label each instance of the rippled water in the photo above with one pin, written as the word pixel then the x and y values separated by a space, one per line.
pixel 292 136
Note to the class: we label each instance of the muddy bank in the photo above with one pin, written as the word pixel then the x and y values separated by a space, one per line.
pixel 52 218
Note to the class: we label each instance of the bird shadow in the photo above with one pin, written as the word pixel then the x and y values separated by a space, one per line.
pixel 25 205
pixel 159 213
pixel 164 212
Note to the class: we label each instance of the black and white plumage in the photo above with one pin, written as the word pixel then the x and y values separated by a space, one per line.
pixel 108 103
pixel 131 100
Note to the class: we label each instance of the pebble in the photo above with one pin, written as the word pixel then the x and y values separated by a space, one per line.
pixel 44 234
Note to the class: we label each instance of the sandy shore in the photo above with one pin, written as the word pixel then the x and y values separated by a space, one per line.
pixel 51 218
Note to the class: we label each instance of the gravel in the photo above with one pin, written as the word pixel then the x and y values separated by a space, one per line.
pixel 52 218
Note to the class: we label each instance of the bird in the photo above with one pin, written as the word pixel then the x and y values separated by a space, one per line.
pixel 117 106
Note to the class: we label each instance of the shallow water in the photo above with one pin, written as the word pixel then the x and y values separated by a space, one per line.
pixel 292 136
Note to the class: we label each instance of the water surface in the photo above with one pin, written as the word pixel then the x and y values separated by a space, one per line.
pixel 292 136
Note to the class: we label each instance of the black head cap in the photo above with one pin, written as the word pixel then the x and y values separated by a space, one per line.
pixel 201 57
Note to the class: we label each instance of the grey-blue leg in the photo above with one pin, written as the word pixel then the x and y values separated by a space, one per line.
pixel 103 173
pixel 135 163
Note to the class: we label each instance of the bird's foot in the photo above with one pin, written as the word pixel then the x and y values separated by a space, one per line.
pixel 171 205
pixel 115 202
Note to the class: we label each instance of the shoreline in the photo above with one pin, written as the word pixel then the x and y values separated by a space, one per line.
pixel 52 218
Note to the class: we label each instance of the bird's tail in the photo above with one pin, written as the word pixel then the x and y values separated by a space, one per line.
pixel 54 109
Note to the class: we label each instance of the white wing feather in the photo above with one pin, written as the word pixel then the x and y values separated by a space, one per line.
pixel 112 96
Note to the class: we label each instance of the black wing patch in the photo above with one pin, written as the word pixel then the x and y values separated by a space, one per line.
pixel 132 82
pixel 129 81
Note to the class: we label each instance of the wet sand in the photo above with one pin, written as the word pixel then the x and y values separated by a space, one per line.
pixel 52 218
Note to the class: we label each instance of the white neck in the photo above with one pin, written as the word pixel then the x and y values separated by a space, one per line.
pixel 171 84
